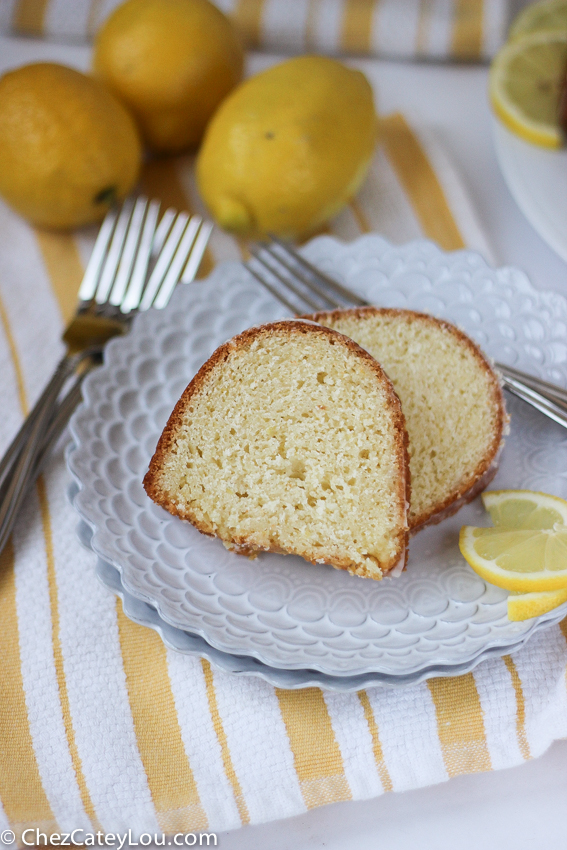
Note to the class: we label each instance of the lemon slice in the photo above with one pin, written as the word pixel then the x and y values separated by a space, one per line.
pixel 528 509
pixel 525 509
pixel 525 84
pixel 523 606
pixel 548 16
pixel 526 551
pixel 517 559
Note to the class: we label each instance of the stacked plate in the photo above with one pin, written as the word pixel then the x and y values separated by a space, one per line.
pixel 292 623
pixel 537 179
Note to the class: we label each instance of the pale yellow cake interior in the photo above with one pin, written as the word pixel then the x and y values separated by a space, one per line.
pixel 290 445
pixel 448 399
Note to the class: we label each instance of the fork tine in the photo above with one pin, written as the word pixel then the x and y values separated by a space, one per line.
pixel 136 287
pixel 286 282
pixel 164 260
pixel 329 282
pixel 172 277
pixel 297 275
pixel 272 289
pixel 129 252
pixel 197 252
pixel 91 276
pixel 114 252
pixel 163 230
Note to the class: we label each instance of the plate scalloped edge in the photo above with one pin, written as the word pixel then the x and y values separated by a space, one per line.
pixel 189 644
pixel 144 614
pixel 386 261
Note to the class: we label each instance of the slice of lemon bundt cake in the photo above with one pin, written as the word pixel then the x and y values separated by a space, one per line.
pixel 290 439
pixel 451 399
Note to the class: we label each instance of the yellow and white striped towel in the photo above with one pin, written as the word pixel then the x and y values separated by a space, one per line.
pixel 423 29
pixel 101 726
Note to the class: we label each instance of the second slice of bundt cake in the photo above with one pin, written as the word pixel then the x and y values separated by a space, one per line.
pixel 451 399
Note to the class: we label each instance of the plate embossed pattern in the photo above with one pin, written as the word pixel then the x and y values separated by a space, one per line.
pixel 192 644
pixel 280 610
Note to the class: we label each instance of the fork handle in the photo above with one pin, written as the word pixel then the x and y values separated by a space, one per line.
pixel 42 432
pixel 552 392
pixel 552 408
pixel 48 397
pixel 43 406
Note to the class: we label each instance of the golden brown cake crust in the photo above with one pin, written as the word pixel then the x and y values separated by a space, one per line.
pixel 292 326
pixel 485 471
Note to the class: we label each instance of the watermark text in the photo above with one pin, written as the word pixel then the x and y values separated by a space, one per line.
pixel 37 838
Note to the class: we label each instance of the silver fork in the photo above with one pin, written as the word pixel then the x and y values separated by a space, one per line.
pixel 135 264
pixel 302 287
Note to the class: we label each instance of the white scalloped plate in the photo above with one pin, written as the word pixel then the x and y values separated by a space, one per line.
pixel 192 644
pixel 283 612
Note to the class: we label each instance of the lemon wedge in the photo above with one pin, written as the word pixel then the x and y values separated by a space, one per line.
pixel 525 509
pixel 525 83
pixel 517 559
pixel 526 551
pixel 548 16
pixel 523 606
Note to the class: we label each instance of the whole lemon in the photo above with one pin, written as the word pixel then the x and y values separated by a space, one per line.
pixel 288 148
pixel 171 62
pixel 68 148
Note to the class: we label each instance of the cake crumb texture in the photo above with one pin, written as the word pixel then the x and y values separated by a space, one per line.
pixel 451 399
pixel 290 439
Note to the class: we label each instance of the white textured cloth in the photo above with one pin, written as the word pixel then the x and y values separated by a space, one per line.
pixel 101 726
pixel 424 29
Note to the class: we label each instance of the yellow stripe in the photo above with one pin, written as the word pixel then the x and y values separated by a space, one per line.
pixel 93 18
pixel 321 230
pixel 222 739
pixel 170 778
pixel 247 16
pixel 420 183
pixel 317 757
pixel 466 39
pixel 15 359
pixel 29 16
pixel 385 778
pixel 520 708
pixel 423 24
pixel 360 216
pixel 64 267
pixel 160 180
pixel 460 725
pixel 312 12
pixel 244 249
pixel 58 656
pixel 57 652
pixel 356 27
pixel 21 791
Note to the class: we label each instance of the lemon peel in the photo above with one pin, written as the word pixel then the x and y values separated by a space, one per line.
pixel 525 82
pixel 171 62
pixel 69 149
pixel 233 215
pixel 517 559
pixel 526 550
pixel 528 509
pixel 546 16
pixel 292 144
pixel 524 606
